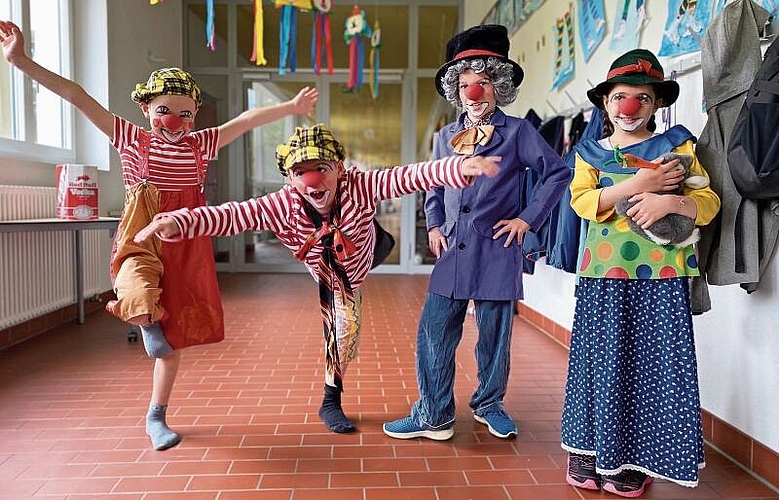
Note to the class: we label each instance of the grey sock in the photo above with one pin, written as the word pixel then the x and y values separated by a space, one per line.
pixel 161 436
pixel 154 341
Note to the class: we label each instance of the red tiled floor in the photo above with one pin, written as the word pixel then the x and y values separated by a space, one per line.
pixel 72 403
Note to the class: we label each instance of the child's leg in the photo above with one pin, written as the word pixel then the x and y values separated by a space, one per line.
pixel 165 371
pixel 137 271
pixel 347 331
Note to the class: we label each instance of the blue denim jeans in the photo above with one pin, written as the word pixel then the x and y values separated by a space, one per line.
pixel 440 331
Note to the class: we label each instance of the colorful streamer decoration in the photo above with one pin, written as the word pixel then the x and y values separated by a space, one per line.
pixel 322 36
pixel 356 26
pixel 288 32
pixel 210 31
pixel 258 49
pixel 374 59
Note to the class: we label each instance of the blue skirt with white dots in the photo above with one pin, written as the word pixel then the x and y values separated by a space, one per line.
pixel 631 398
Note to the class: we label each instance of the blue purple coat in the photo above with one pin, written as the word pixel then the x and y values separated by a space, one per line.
pixel 475 266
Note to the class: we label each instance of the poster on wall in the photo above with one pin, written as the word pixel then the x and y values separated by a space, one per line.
pixel 631 18
pixel 511 13
pixel 565 59
pixel 772 6
pixel 592 25
pixel 684 28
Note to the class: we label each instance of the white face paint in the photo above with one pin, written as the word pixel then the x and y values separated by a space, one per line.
pixel 477 94
pixel 628 125
pixel 631 106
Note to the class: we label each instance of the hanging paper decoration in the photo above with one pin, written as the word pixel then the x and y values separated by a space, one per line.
pixel 592 25
pixel 210 32
pixel 374 59
pixel 355 28
pixel 322 36
pixel 627 29
pixel 684 28
pixel 258 49
pixel 564 61
pixel 288 32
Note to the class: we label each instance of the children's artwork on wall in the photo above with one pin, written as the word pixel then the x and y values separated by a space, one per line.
pixel 687 22
pixel 288 21
pixel 771 6
pixel 374 59
pixel 356 28
pixel 565 55
pixel 258 49
pixel 592 25
pixel 321 40
pixel 511 13
pixel 631 19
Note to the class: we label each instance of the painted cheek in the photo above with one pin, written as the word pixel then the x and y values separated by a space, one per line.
pixel 474 92
pixel 629 106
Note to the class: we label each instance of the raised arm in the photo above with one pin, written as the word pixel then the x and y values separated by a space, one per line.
pixel 303 103
pixel 13 51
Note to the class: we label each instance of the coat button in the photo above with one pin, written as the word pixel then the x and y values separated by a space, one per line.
pixel 466 209
pixel 461 246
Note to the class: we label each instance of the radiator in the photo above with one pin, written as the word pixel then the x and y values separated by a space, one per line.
pixel 37 269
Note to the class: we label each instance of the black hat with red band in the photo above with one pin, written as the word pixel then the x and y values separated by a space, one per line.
pixel 479 42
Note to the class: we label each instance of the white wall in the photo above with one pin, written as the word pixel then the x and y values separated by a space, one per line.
pixel 738 340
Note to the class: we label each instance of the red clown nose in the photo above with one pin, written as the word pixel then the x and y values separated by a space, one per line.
pixel 312 178
pixel 474 92
pixel 629 106
pixel 171 122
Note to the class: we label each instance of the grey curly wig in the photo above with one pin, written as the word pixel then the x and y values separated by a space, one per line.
pixel 498 71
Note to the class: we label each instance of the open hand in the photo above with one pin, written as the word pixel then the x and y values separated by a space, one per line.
pixel 162 224
pixel 481 165
pixel 666 177
pixel 515 228
pixel 304 102
pixel 12 41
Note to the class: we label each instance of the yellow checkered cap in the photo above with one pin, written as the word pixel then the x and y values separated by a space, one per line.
pixel 167 81
pixel 314 143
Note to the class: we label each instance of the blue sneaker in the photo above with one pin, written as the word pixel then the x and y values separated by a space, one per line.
pixel 406 428
pixel 498 423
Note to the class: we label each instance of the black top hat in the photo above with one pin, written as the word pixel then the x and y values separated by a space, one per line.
pixel 479 42
pixel 636 67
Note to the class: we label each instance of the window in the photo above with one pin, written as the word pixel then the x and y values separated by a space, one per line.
pixel 36 123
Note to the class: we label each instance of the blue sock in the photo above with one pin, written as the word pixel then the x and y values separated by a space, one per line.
pixel 154 341
pixel 161 436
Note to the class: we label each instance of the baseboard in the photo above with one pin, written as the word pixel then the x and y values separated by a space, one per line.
pixel 747 452
pixel 36 326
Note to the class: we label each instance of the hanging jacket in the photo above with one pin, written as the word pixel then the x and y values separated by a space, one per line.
pixel 730 248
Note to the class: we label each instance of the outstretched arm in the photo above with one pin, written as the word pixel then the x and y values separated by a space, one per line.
pixel 13 51
pixel 303 103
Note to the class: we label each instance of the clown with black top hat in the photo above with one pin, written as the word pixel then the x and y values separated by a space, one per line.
pixel 476 235
pixel 632 410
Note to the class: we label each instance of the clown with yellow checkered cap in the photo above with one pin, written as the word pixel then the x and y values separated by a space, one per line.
pixel 325 214
pixel 162 169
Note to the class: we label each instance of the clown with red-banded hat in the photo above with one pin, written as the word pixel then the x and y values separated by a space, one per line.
pixel 476 235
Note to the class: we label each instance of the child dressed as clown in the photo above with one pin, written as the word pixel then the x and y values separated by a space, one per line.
pixel 324 215
pixel 163 169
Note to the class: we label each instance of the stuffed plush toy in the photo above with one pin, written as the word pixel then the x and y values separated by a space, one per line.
pixel 673 229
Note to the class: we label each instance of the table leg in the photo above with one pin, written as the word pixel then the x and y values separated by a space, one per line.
pixel 79 276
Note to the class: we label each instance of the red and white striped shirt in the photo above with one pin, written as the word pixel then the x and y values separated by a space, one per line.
pixel 283 211
pixel 171 166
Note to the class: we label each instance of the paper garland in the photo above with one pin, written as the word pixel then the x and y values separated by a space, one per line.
pixel 322 36
pixel 356 27
pixel 288 32
pixel 374 59
pixel 258 49
pixel 210 32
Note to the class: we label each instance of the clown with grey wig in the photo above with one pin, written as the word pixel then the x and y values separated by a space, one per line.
pixel 476 235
